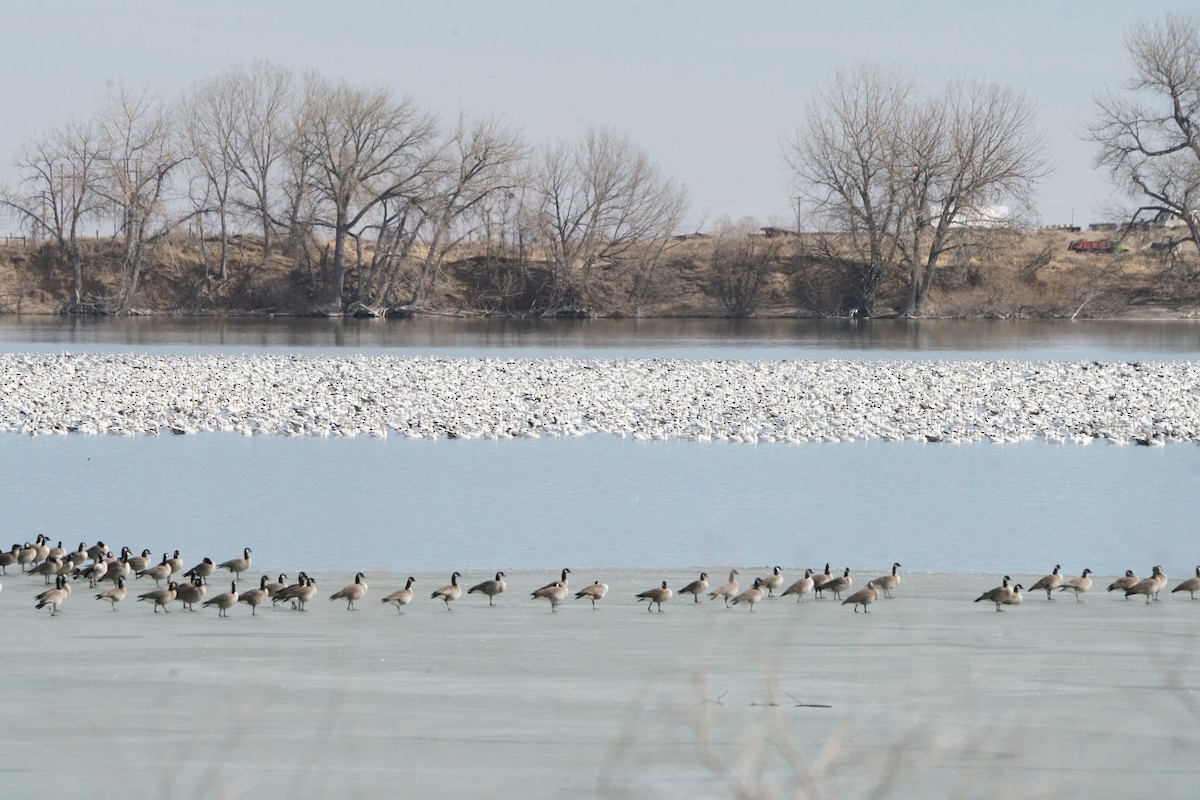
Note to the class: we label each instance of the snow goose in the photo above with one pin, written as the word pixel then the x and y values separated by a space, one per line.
pixel 596 591
pixel 489 588
pixel 656 596
pixel 355 591
pixel 696 587
pixel 451 591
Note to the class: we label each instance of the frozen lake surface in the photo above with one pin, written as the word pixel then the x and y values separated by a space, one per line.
pixel 930 695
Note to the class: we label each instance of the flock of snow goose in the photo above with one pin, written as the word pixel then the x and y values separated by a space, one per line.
pixel 737 401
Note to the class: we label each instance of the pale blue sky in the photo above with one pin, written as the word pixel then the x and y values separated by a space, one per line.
pixel 709 89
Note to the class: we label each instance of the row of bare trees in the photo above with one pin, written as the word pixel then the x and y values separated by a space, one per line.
pixel 257 150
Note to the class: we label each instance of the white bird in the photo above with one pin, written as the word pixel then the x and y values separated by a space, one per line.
pixel 800 587
pixel 863 597
pixel 726 591
pixel 886 583
pixel 696 587
pixel 1078 585
pixel 596 591
pixel 355 591
pixel 1191 585
pixel 401 597
pixel 656 596
pixel 1049 583
pixel 489 588
pixel 751 595
pixel 772 582
pixel 450 592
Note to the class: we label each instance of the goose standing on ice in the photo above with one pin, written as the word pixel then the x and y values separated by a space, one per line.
pixel 114 595
pixel 450 592
pixel 596 591
pixel 1126 581
pixel 355 591
pixel 772 582
pixel 886 583
pixel 727 590
pixel 489 588
pixel 555 592
pixel 751 596
pixel 1149 586
pixel 224 601
pixel 999 595
pixel 160 597
pixel 190 592
pixel 656 596
pixel 255 597
pixel 1191 585
pixel 401 597
pixel 1049 583
pixel 139 563
pixel 1078 585
pixel 54 597
pixel 839 584
pixel 863 597
pixel 800 587
pixel 696 587
pixel 820 579
pixel 202 570
pixel 237 565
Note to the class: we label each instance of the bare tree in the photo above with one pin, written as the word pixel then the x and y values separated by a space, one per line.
pixel 599 203
pixel 56 194
pixel 741 258
pixel 138 156
pixel 1148 130
pixel 363 148
pixel 208 119
pixel 901 179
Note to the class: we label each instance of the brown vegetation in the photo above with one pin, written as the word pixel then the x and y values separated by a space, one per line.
pixel 1003 275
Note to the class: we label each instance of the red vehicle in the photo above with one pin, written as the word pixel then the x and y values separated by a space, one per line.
pixel 1091 246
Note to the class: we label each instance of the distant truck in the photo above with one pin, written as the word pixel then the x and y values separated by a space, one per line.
pixel 1092 246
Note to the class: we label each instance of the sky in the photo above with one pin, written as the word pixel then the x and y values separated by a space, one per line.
pixel 711 90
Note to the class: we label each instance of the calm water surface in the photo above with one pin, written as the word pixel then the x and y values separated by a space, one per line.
pixel 401 504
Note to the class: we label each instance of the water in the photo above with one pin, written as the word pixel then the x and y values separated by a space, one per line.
pixel 399 504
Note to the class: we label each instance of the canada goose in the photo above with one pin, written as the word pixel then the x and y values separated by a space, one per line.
pixel 863 597
pixel 1191 585
pixel 139 563
pixel 41 547
pixel 305 593
pixel 114 595
pixel 1149 586
pixel 838 585
pixel 1050 582
pixel 726 591
pixel 401 597
pixel 190 592
pixel 277 586
pixel 64 584
pixel 562 579
pixel 886 583
pixel 174 561
pixel 26 555
pixel 696 587
pixel 253 597
pixel 57 550
pixel 1124 582
pixel 51 566
pixel 998 595
pixel 656 596
pixel 289 592
pixel 490 588
pixel 160 597
pixel 118 568
pixel 820 579
pixel 73 560
pixel 355 591
pixel 159 572
pixel 224 601
pixel 451 592
pixel 555 592
pixel 1078 585
pixel 595 592
pixel 94 572
pixel 772 582
pixel 1014 599
pixel 54 597
pixel 202 570
pixel 237 565
pixel 800 587
pixel 751 595
pixel 9 557
pixel 97 551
